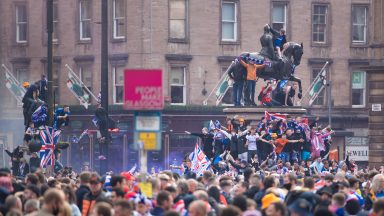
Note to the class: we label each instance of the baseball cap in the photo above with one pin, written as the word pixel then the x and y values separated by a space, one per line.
pixel 25 84
pixel 301 207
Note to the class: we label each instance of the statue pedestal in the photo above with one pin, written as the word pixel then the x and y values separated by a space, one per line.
pixel 255 113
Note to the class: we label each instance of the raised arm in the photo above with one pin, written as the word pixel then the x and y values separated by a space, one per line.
pixel 8 153
pixel 274 32
pixel 244 132
pixel 259 66
pixel 195 134
pixel 243 63
pixel 295 141
pixel 226 133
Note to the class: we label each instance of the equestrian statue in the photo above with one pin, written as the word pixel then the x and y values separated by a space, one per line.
pixel 278 67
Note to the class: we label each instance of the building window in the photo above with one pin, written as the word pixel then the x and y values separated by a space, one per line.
pixel 358 89
pixel 118 19
pixel 178 89
pixel 229 21
pixel 85 75
pixel 118 85
pixel 177 19
pixel 279 16
pixel 319 23
pixel 320 97
pixel 21 75
pixel 21 23
pixel 85 20
pixel 359 24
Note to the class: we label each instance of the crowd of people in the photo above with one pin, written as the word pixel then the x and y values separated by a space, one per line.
pixel 276 137
pixel 266 189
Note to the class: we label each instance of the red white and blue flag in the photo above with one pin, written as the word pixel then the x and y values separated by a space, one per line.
pixel 49 138
pixel 200 162
pixel 273 116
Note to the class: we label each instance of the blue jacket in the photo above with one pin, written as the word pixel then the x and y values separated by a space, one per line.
pixel 157 211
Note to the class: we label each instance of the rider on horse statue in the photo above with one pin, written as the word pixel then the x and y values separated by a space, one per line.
pixel 266 41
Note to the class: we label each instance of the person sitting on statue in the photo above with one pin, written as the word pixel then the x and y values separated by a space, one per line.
pixel 61 117
pixel 279 41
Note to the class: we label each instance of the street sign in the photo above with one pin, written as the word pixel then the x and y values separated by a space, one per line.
pixel 376 107
pixel 148 139
pixel 358 147
pixel 147 130
pixel 358 153
pixel 143 90
pixel 148 123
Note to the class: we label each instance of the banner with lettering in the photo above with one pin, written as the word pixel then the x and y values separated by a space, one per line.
pixel 143 89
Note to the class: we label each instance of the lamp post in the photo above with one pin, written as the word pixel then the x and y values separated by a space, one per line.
pixel 104 148
pixel 50 60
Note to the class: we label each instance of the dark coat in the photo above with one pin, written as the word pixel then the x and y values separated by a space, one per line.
pixel 80 193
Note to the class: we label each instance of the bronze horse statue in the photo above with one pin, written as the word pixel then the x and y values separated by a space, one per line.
pixel 282 69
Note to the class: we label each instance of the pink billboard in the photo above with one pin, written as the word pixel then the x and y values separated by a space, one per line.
pixel 143 89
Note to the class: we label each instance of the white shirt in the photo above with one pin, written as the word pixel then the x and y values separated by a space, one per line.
pixel 252 141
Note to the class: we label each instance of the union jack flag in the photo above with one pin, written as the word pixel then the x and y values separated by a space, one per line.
pixel 273 116
pixel 49 138
pixel 200 162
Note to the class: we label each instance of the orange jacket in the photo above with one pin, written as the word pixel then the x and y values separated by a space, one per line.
pixel 251 69
pixel 280 143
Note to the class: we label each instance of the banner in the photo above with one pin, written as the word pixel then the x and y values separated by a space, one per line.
pixel 200 162
pixel 49 138
pixel 358 146
pixel 13 85
pixel 143 90
pixel 273 116
pixel 77 87
pixel 318 86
